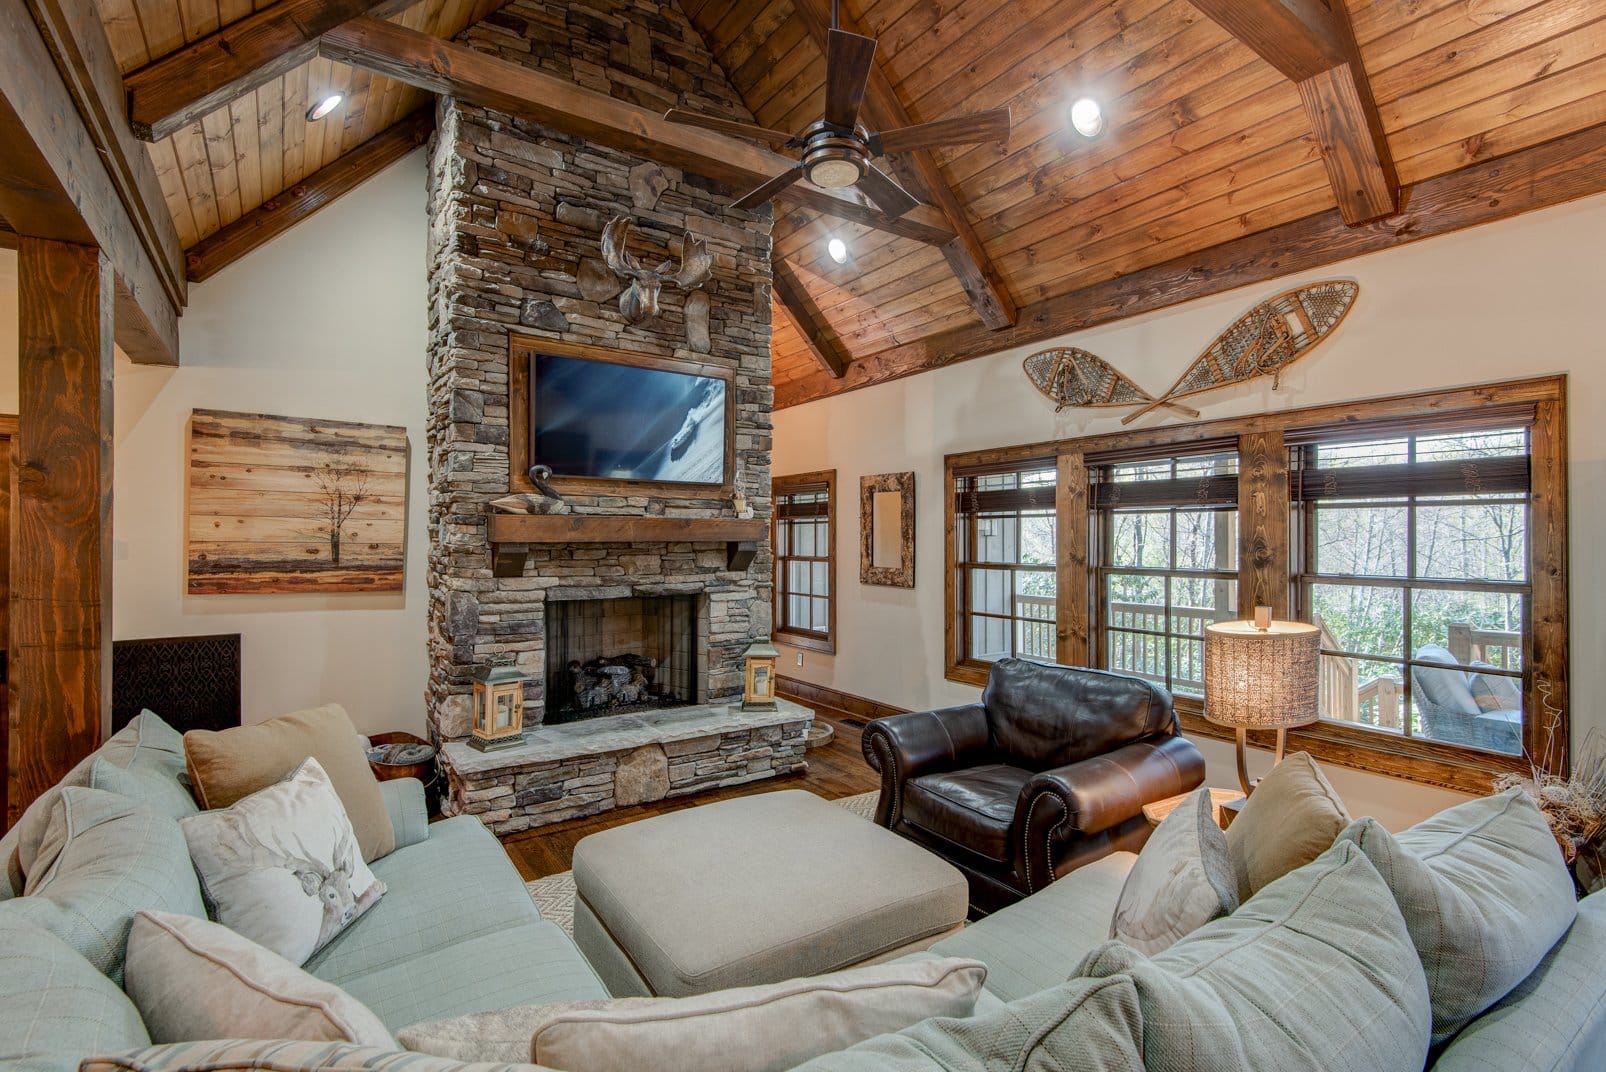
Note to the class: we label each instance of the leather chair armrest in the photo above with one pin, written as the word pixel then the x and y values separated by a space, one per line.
pixel 1096 794
pixel 901 747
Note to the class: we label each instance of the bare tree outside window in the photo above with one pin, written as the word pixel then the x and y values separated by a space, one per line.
pixel 342 488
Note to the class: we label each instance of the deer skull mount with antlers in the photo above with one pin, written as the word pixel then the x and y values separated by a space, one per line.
pixel 639 302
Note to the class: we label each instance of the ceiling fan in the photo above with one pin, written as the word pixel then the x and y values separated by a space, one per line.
pixel 837 150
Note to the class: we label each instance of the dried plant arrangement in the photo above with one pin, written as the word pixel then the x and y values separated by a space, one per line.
pixel 1574 805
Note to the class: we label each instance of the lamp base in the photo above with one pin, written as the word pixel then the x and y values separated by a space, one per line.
pixel 1243 749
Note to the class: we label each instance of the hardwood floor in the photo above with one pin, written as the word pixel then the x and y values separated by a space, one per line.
pixel 836 770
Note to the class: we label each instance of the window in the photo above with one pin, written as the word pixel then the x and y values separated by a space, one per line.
pixel 1414 563
pixel 805 559
pixel 1164 560
pixel 1005 573
pixel 1426 535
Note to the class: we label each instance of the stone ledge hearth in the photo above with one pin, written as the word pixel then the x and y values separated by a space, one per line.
pixel 584 768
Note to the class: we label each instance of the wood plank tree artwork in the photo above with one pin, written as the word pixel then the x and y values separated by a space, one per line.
pixel 291 504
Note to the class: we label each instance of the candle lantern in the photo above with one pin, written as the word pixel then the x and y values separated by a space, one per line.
pixel 498 708
pixel 758 677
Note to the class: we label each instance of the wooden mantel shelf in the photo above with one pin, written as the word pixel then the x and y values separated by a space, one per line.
pixel 513 534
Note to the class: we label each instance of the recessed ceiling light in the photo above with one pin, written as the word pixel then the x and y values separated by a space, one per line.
pixel 324 107
pixel 1087 117
pixel 838 250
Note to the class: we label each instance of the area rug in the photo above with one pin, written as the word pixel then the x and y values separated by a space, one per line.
pixel 554 895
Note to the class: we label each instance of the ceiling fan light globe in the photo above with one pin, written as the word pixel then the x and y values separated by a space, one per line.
pixel 834 174
pixel 1087 117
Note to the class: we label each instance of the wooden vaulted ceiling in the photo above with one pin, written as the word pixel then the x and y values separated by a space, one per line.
pixel 1210 142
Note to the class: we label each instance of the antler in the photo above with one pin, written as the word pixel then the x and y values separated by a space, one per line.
pixel 696 263
pixel 620 259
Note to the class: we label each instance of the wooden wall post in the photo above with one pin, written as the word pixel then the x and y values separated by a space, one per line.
pixel 1071 586
pixel 1262 523
pixel 60 655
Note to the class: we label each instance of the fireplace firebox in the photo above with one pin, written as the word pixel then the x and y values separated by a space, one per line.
pixel 614 656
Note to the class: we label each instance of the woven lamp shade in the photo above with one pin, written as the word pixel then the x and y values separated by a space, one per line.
pixel 1262 678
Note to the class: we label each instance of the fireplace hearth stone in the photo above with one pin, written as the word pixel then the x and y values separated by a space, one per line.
pixel 576 769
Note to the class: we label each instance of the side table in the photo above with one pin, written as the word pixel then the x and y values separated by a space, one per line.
pixel 1224 802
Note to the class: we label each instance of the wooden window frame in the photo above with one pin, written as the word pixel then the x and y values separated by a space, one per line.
pixel 807 638
pixel 1265 568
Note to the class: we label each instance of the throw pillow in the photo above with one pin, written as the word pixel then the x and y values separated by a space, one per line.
pixel 54 1006
pixel 227 765
pixel 281 866
pixel 748 1029
pixel 1493 692
pixel 102 858
pixel 1485 895
pixel 1182 880
pixel 1316 971
pixel 146 783
pixel 194 979
pixel 1292 817
pixel 277 1055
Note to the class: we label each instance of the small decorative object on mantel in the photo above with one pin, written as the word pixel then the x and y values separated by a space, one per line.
pixel 1574 806
pixel 544 500
pixel 639 302
pixel 1073 377
pixel 1264 341
pixel 887 530
pixel 758 676
pixel 498 709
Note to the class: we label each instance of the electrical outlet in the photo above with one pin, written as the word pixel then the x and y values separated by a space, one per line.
pixel 800 658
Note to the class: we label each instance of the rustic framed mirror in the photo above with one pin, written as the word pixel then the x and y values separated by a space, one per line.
pixel 887 530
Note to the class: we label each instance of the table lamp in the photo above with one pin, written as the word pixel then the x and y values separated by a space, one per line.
pixel 1262 675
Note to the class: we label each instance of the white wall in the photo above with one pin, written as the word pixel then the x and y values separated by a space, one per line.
pixel 1518 298
pixel 327 321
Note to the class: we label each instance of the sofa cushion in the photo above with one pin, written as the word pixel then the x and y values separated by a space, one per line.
pixel 54 1005
pixel 103 858
pixel 151 779
pixel 1182 880
pixel 227 765
pixel 145 734
pixel 195 979
pixel 1315 971
pixel 455 885
pixel 973 808
pixel 1493 691
pixel 1033 944
pixel 1485 895
pixel 1041 716
pixel 281 866
pixel 767 1028
pixel 237 1055
pixel 1555 1019
pixel 1084 1025
pixel 529 964
pixel 1290 819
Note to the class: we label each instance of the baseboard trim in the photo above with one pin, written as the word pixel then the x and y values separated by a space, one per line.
pixel 838 702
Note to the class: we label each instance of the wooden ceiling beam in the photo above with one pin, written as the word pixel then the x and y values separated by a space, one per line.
pixel 213 71
pixel 284 210
pixel 455 70
pixel 811 326
pixel 55 184
pixel 1311 43
pixel 984 287
pixel 1538 177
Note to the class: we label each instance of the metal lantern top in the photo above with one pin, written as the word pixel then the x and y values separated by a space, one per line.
pixel 499 675
pixel 1262 675
pixel 762 649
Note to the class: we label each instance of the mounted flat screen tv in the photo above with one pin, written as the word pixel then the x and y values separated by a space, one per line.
pixel 604 415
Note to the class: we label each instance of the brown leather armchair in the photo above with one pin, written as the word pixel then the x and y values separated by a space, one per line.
pixel 1049 772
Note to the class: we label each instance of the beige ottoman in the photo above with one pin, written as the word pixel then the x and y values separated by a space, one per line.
pixel 754 890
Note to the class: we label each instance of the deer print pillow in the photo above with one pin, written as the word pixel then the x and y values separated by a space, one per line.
pixel 281 866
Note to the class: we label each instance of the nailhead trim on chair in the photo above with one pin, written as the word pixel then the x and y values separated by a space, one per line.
pixel 1026 856
pixel 877 743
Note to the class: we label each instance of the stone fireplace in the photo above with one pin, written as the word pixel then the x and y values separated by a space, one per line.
pixel 517 213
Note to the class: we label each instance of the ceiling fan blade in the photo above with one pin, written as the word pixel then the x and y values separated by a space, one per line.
pixel 760 194
pixel 957 130
pixel 848 57
pixel 727 126
pixel 891 198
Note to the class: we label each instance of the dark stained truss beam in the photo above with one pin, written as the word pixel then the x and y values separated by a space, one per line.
pixel 811 326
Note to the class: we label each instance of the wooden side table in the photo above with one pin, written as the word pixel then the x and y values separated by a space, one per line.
pixel 1220 801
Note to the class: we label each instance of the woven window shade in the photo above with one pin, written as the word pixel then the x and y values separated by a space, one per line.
pixel 1262 678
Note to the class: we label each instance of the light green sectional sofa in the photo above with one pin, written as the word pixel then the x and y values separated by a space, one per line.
pixel 1318 970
